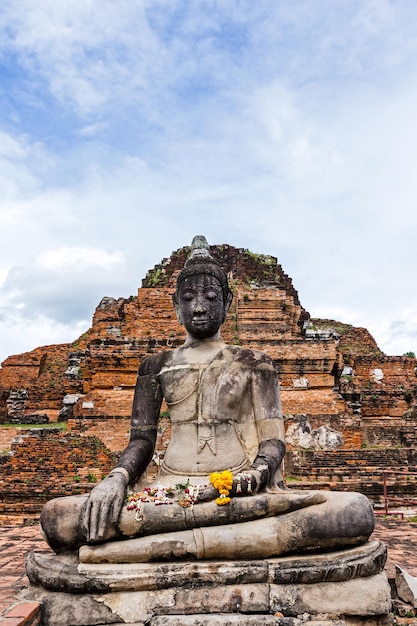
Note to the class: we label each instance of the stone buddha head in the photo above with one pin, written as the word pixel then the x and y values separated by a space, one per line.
pixel 202 296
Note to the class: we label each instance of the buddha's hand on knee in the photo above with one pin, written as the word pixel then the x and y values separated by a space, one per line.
pixel 246 483
pixel 103 506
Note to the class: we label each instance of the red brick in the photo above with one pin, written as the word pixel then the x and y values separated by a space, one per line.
pixel 26 610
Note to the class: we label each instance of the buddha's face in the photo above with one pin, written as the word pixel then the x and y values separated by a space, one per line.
pixel 200 306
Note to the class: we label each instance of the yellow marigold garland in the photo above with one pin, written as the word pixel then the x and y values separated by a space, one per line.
pixel 222 481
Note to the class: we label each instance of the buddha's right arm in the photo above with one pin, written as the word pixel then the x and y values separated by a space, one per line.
pixel 144 426
pixel 106 500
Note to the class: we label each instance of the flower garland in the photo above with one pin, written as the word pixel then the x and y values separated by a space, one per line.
pixel 185 494
pixel 222 481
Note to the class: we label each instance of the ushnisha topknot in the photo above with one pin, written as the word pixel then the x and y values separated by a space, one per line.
pixel 200 261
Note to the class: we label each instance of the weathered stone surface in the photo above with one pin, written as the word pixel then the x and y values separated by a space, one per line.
pixel 235 620
pixel 361 561
pixel 63 609
pixel 342 519
pixel 351 597
pixel 378 620
pixel 406 586
pixel 301 435
pixel 70 399
pixel 65 572
pixel 60 609
pixel 266 620
pixel 59 573
pixel 16 403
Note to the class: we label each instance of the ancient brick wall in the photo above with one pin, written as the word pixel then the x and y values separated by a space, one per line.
pixel 113 432
pixel 355 470
pixel 46 465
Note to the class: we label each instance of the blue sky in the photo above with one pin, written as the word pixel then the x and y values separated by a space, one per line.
pixel 286 127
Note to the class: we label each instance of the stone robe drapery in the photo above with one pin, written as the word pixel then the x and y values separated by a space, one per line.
pixel 220 412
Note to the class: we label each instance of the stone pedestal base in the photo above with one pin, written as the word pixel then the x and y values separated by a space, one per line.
pixel 344 588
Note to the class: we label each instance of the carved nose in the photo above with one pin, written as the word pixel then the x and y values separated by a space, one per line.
pixel 200 308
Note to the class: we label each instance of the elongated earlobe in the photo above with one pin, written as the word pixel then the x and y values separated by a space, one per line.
pixel 177 309
pixel 227 304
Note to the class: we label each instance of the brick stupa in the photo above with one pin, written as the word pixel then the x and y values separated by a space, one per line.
pixel 331 374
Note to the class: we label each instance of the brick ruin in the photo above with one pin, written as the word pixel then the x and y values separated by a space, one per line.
pixel 335 383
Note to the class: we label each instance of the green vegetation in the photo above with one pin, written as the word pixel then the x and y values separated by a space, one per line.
pixel 55 365
pixel 260 258
pixel 62 425
pixel 236 340
pixel 76 344
pixel 157 277
pixel 410 355
pixel 353 340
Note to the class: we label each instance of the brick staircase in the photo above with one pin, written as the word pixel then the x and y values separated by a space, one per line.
pixel 355 470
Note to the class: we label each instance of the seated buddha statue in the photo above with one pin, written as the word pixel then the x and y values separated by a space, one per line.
pixel 219 492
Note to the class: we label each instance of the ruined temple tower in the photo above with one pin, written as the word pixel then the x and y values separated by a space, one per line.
pixel 332 376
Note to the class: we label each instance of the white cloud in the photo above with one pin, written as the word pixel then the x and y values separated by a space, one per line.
pixel 19 159
pixel 3 275
pixel 397 336
pixel 54 296
pixel 21 334
pixel 287 128
pixel 85 50
pixel 78 259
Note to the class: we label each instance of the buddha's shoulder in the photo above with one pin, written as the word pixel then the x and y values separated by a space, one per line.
pixel 153 364
pixel 248 357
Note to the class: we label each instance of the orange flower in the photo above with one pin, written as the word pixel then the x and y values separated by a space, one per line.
pixel 222 481
pixel 221 501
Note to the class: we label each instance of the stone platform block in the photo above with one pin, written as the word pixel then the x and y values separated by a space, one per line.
pixel 66 573
pixel 356 597
pixel 239 620
pixel 347 584
pixel 222 619
pixel 63 609
pixel 353 597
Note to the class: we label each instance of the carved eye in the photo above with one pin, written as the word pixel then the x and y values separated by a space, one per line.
pixel 188 295
pixel 211 295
